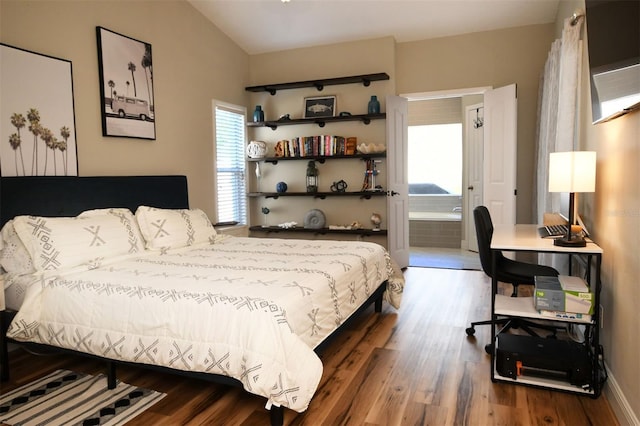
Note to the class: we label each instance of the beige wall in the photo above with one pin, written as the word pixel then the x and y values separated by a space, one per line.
pixel 613 214
pixel 493 58
pixel 435 111
pixel 193 64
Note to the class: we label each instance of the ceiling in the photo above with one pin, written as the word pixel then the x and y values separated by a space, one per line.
pixel 261 26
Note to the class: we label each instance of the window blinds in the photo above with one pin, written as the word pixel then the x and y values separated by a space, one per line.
pixel 230 165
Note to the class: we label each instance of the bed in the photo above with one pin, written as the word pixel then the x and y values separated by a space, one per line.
pixel 122 269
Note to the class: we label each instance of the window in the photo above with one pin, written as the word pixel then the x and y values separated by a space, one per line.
pixel 231 200
pixel 435 159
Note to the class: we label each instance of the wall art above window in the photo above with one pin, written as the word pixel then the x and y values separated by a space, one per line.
pixel 37 122
pixel 126 86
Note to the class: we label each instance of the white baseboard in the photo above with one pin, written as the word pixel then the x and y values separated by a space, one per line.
pixel 619 403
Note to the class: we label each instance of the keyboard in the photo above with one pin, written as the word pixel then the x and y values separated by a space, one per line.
pixel 552 231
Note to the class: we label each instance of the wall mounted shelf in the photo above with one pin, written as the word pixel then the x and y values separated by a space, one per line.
pixel 321 195
pixel 319 84
pixel 319 158
pixel 350 199
pixel 365 118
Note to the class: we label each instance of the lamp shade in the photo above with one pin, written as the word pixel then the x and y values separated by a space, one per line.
pixel 573 171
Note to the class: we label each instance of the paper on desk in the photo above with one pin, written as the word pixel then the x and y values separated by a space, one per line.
pixel 516 306
pixel 570 283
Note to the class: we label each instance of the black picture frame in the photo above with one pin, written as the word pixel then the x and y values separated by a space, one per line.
pixel 319 107
pixel 37 114
pixel 127 102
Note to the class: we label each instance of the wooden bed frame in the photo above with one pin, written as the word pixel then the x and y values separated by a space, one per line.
pixel 69 196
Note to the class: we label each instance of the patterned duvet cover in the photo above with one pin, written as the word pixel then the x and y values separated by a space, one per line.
pixel 248 308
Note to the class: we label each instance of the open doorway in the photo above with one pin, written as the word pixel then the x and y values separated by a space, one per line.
pixel 494 161
pixel 438 172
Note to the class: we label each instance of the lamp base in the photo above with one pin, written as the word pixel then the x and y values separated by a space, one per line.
pixel 573 242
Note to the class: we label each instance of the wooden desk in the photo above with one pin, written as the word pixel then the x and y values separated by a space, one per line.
pixel 525 238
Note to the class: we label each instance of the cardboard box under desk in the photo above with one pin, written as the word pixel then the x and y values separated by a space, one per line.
pixel 564 294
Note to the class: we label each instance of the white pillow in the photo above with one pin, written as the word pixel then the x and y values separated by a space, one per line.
pixel 14 257
pixel 65 242
pixel 127 219
pixel 174 228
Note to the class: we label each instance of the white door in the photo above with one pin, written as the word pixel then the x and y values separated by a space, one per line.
pixel 397 180
pixel 474 151
pixel 500 154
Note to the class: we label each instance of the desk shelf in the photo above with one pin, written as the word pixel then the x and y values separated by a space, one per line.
pixel 523 307
pixel 524 238
pixel 543 382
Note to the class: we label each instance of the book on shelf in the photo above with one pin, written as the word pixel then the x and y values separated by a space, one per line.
pixel 318 146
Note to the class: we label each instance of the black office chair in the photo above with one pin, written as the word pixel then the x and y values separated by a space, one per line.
pixel 507 271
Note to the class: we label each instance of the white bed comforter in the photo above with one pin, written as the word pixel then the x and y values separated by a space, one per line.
pixel 247 308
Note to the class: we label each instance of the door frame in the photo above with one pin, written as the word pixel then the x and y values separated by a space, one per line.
pixel 454 93
pixel 397 176
pixel 472 186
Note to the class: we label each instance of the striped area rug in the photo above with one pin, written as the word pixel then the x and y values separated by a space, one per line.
pixel 67 398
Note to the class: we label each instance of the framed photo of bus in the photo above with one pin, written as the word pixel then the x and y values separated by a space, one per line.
pixel 126 86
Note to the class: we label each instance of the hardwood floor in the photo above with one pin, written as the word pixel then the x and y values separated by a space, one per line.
pixel 415 366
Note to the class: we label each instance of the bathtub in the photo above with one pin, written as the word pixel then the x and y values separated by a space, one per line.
pixel 435 229
pixel 436 216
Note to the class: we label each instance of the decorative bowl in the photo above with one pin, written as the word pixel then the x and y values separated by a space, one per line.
pixel 257 149
pixel 371 148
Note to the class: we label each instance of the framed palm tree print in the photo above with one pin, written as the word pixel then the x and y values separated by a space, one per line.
pixel 37 120
pixel 126 86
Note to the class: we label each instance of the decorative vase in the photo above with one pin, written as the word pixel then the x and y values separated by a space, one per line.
pixel 376 219
pixel 373 106
pixel 257 149
pixel 281 187
pixel 258 114
pixel 265 212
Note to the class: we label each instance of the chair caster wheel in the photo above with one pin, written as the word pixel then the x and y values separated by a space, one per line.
pixel 470 331
pixel 488 348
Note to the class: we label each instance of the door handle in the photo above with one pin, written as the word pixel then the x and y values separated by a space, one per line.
pixel 392 193
pixel 470 187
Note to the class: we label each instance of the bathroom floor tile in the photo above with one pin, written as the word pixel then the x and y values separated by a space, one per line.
pixel 445 258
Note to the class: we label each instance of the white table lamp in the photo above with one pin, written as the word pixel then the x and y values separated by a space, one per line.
pixel 573 171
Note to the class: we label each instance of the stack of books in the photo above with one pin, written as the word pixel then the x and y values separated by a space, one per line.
pixel 321 145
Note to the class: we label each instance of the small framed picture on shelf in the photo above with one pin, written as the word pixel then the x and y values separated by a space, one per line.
pixel 319 107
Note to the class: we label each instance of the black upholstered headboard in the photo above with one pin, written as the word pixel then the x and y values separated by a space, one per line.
pixel 70 195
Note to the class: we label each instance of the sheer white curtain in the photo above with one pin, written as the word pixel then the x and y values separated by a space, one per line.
pixel 557 111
